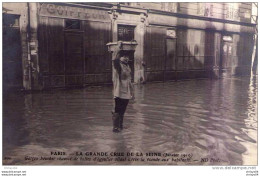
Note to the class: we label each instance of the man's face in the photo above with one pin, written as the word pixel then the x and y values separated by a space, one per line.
pixel 124 59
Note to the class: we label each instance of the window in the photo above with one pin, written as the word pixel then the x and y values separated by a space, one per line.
pixel 205 9
pixel 10 20
pixel 72 24
pixel 125 32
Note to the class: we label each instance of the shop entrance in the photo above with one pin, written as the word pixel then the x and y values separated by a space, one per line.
pixel 170 59
pixel 12 60
pixel 126 33
pixel 227 55
pixel 226 59
pixel 74 60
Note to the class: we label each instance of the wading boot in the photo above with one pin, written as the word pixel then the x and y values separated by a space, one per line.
pixel 121 119
pixel 116 122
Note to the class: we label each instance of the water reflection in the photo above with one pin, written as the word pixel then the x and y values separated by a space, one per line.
pixel 206 118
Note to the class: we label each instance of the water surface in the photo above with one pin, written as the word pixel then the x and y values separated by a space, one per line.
pixel 214 119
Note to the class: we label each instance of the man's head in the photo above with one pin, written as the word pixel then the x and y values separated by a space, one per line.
pixel 124 59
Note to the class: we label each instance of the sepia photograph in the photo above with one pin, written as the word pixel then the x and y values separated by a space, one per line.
pixel 130 83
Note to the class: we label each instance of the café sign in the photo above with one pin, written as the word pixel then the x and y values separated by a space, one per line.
pixel 63 11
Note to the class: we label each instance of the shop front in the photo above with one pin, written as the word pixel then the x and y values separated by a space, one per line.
pixel 72 45
pixel 180 47
pixel 64 44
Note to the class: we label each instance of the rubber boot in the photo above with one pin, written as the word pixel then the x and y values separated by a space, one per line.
pixel 121 120
pixel 116 122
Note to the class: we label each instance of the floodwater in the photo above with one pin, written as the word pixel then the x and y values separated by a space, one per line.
pixel 197 122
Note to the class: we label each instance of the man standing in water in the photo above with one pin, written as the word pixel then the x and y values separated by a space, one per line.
pixel 122 87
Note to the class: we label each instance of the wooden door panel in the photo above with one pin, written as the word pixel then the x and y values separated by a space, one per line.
pixel 74 60
pixel 170 54
pixel 55 46
pixel 97 59
pixel 74 53
pixel 227 55
pixel 12 60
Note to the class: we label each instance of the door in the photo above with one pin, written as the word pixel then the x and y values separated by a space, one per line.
pixel 12 60
pixel 170 59
pixel 226 55
pixel 74 60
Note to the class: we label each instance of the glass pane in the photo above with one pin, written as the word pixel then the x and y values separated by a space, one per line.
pixel 126 33
pixel 72 24
pixel 10 20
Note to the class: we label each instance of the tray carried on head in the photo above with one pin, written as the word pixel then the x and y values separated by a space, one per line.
pixel 123 45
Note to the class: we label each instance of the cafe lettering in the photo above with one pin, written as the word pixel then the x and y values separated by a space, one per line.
pixel 72 12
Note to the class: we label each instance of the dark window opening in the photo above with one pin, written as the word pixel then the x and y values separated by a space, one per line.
pixel 10 20
pixel 126 33
pixel 72 24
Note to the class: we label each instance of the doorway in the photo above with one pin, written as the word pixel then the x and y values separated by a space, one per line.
pixel 74 59
pixel 12 60
pixel 170 59
pixel 226 56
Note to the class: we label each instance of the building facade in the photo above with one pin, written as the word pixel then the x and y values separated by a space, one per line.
pixel 64 44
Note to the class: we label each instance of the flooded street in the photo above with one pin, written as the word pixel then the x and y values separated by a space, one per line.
pixel 213 119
